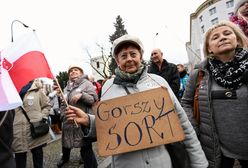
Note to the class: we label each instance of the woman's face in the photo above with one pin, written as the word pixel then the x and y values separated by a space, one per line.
pixel 129 59
pixel 243 10
pixel 74 73
pixel 222 40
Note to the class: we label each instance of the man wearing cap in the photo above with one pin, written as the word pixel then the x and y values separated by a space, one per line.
pixel 165 69
pixel 132 77
pixel 79 92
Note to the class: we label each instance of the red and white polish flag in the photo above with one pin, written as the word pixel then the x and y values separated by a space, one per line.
pixel 21 62
pixel 9 97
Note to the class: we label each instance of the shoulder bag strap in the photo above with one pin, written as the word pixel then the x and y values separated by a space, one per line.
pixel 25 114
pixel 196 111
pixel 5 115
pixel 127 91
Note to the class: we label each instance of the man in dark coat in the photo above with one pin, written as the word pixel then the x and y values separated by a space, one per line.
pixel 6 137
pixel 165 69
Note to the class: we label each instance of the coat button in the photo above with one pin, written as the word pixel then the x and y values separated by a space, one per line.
pixel 228 94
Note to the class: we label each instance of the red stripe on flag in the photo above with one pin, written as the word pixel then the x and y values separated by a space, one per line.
pixel 28 67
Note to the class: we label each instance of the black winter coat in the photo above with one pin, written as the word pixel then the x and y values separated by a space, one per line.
pixel 169 72
pixel 6 138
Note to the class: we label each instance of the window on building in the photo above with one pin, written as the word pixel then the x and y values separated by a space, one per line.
pixel 200 18
pixel 202 29
pixel 97 64
pixel 210 3
pixel 230 14
pixel 212 11
pixel 229 4
pixel 214 21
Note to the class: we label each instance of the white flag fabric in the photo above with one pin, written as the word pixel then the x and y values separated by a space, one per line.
pixel 21 62
pixel 26 61
pixel 9 97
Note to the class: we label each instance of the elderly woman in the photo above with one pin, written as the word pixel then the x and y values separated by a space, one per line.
pixel 223 96
pixel 79 92
pixel 131 76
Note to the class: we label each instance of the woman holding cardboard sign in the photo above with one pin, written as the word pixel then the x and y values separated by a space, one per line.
pixel 132 77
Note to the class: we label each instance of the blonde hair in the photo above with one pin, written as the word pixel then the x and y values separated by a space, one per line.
pixel 241 38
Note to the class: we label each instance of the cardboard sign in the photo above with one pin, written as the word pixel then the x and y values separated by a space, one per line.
pixel 136 121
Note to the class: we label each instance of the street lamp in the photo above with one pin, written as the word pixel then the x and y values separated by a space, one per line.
pixel 12 27
pixel 154 40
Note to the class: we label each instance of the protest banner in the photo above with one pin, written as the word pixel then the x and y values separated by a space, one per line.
pixel 136 121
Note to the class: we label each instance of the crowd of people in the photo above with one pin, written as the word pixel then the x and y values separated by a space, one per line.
pixel 216 130
pixel 220 134
pixel 132 76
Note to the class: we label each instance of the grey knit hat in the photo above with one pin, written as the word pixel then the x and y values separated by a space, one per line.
pixel 124 39
pixel 237 4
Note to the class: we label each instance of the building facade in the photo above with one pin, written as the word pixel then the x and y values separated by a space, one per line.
pixel 100 66
pixel 207 14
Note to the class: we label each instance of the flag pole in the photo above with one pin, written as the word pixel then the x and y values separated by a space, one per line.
pixel 63 97
pixel 5 115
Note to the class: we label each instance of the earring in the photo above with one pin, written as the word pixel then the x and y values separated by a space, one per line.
pixel 211 55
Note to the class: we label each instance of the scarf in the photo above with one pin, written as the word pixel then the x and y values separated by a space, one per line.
pixel 127 79
pixel 231 75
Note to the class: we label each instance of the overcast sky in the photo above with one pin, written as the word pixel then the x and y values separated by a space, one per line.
pixel 66 28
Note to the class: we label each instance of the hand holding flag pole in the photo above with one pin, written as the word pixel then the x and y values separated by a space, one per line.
pixel 63 97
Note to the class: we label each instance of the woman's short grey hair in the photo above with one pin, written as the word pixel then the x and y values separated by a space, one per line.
pixel 241 38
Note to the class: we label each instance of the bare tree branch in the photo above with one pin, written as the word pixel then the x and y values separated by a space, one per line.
pixel 105 62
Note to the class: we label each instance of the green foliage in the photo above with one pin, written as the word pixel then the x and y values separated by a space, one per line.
pixel 119 31
pixel 112 66
pixel 62 78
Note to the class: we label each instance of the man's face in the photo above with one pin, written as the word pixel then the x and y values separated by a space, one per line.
pixel 156 56
pixel 180 68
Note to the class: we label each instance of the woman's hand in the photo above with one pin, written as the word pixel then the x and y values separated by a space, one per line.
pixel 74 114
pixel 75 98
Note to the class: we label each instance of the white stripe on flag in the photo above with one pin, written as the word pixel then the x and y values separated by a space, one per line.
pixel 17 48
pixel 9 97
